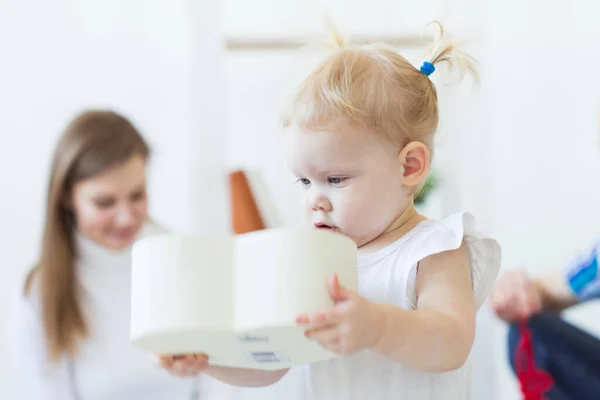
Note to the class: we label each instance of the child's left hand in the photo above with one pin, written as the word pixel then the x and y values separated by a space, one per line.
pixel 353 324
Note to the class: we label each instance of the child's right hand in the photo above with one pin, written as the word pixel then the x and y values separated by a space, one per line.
pixel 185 365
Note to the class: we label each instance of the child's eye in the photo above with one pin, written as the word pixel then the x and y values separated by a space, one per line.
pixel 336 180
pixel 303 181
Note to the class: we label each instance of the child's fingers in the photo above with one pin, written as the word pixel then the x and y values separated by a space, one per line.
pixel 189 365
pixel 196 361
pixel 201 358
pixel 166 361
pixel 320 331
pixel 184 365
pixel 313 318
pixel 337 292
pixel 328 338
pixel 319 318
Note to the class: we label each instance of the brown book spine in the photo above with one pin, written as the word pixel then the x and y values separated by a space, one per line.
pixel 245 215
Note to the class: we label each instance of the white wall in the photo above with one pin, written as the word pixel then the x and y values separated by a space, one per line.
pixel 271 18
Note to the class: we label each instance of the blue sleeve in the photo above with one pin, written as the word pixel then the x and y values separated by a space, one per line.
pixel 582 276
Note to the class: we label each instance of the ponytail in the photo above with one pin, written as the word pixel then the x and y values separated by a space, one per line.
pixel 452 53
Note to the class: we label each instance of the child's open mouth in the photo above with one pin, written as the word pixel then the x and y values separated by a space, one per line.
pixel 325 227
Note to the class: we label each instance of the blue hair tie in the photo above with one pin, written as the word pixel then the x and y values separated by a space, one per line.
pixel 427 68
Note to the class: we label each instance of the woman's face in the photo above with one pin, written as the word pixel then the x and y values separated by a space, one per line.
pixel 111 208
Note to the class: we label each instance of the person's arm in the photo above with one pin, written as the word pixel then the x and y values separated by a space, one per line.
pixel 517 296
pixel 438 336
pixel 193 364
pixel 38 379
pixel 245 377
pixel 555 293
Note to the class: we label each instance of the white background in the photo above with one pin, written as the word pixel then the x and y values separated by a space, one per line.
pixel 521 151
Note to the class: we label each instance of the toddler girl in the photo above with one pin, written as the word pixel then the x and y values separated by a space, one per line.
pixel 359 137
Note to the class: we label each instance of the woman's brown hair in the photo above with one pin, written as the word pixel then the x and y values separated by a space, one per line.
pixel 93 142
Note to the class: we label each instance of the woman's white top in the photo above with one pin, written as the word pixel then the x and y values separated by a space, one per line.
pixel 108 366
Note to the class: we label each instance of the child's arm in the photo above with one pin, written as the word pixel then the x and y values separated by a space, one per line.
pixel 246 377
pixel 192 365
pixel 439 335
pixel 436 337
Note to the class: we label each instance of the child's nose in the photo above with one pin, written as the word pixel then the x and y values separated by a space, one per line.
pixel 320 203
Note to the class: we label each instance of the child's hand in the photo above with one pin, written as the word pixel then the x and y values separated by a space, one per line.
pixel 184 365
pixel 354 324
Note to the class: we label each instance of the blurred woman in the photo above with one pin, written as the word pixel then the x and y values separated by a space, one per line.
pixel 71 319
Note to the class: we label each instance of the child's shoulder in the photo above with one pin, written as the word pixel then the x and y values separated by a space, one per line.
pixel 441 238
pixel 436 236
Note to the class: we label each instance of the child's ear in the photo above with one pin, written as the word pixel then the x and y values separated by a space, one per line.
pixel 415 160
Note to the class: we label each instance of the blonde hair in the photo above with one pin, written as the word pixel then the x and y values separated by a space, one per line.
pixel 374 87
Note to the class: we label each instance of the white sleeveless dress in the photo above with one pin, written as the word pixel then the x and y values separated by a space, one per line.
pixel 389 276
